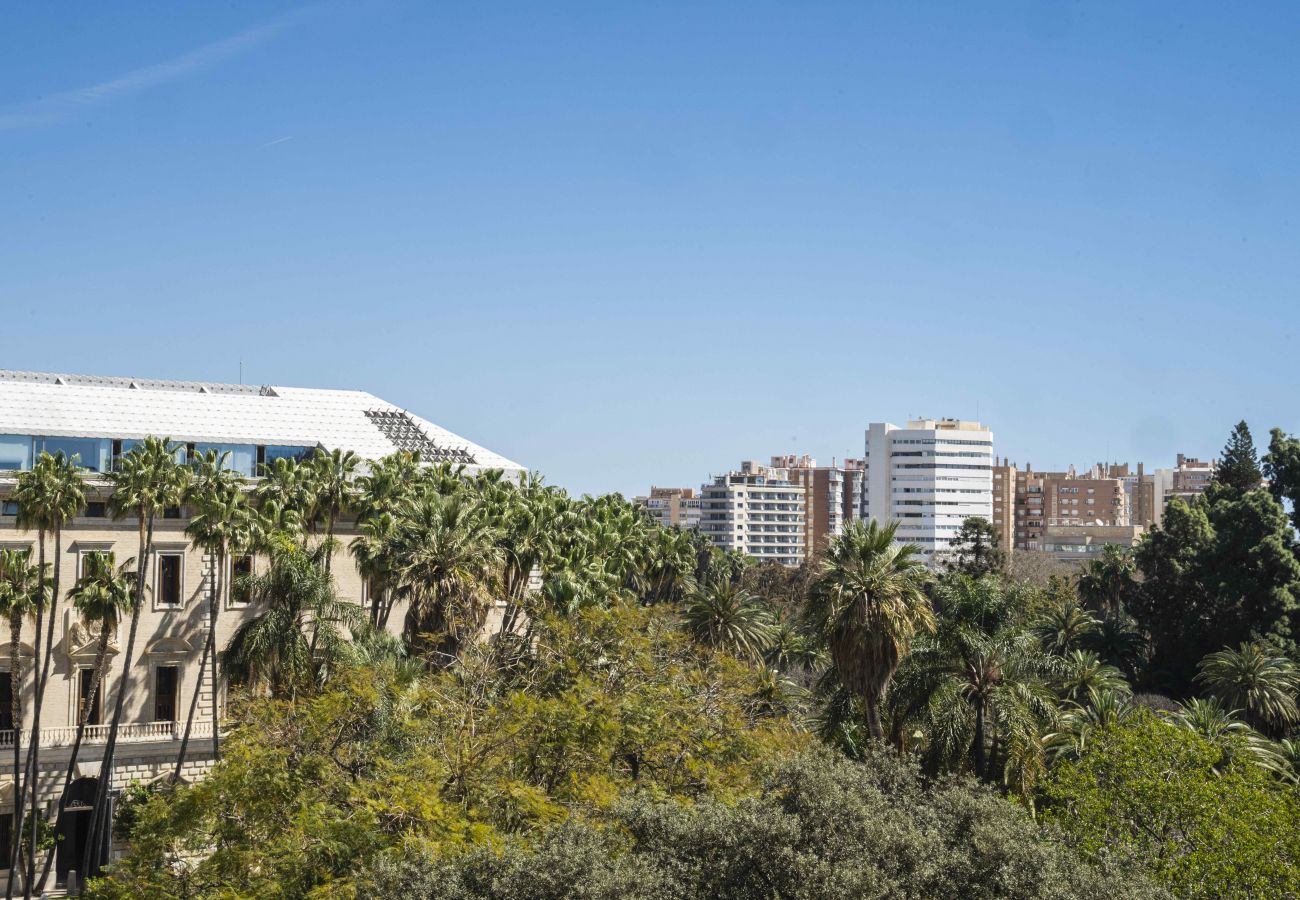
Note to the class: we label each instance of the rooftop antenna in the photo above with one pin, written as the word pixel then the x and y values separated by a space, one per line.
pixel 241 370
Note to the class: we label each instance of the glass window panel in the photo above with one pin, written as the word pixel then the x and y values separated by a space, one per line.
pixel 89 453
pixel 180 454
pixel 299 453
pixel 15 451
pixel 242 459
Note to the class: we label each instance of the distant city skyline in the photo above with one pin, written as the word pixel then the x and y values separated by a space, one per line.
pixel 631 245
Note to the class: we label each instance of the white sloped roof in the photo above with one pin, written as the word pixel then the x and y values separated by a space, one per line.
pixel 54 405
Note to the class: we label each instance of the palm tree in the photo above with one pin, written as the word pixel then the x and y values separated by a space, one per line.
pixel 221 521
pixel 1255 679
pixel 447 560
pixel 1079 720
pixel 146 481
pixel 1221 727
pixel 1063 625
pixel 23 593
pixel 867 606
pixel 48 495
pixel 1083 673
pixel 101 596
pixel 1108 578
pixel 375 552
pixel 331 479
pixel 979 685
pixel 274 650
pixel 1117 640
pixel 721 614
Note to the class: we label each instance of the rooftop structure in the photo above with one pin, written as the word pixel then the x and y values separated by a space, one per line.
pixel 87 414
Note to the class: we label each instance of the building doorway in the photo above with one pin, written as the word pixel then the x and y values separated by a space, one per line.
pixel 74 828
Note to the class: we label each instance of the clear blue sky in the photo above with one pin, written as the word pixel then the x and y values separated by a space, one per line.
pixel 633 243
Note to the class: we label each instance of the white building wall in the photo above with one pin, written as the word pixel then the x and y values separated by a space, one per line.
pixel 929 477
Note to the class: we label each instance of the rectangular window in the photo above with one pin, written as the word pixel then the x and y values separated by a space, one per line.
pixel 241 569
pixel 96 509
pixel 165 681
pixel 242 458
pixel 9 508
pixel 167 591
pixel 88 453
pixel 15 452
pixel 85 677
pixel 6 701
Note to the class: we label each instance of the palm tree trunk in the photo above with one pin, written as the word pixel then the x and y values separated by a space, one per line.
pixel 194 705
pixel 99 822
pixel 16 711
pixel 41 682
pixel 981 760
pixel 83 714
pixel 873 718
pixel 211 651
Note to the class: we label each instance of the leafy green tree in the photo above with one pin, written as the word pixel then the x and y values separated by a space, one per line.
pixel 1157 795
pixel 1254 679
pixel 1282 466
pixel 721 614
pixel 600 707
pixel 976 549
pixel 1238 470
pixel 1217 571
pixel 867 607
pixel 823 828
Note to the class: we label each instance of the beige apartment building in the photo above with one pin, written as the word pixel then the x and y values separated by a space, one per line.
pixel 831 495
pixel 758 511
pixel 1026 503
pixel 672 507
pixel 98 419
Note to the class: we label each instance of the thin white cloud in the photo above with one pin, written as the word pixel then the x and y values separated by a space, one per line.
pixel 57 107
pixel 274 142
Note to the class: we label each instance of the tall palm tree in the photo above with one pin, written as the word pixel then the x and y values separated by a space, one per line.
pixel 48 495
pixel 1257 680
pixel 23 593
pixel 980 684
pixel 721 614
pixel 102 595
pixel 221 521
pixel 332 474
pixel 1221 726
pixel 299 636
pixel 146 481
pixel 448 560
pixel 867 606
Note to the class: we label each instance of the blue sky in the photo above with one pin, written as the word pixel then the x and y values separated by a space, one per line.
pixel 628 243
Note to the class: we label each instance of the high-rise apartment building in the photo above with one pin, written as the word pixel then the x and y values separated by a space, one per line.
pixel 929 476
pixel 831 496
pixel 756 510
pixel 97 420
pixel 672 507
pixel 1004 504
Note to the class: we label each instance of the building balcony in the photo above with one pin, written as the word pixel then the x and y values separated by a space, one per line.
pixel 127 733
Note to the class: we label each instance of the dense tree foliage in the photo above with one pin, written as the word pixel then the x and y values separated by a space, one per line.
pixel 821 828
pixel 1161 795
pixel 583 703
